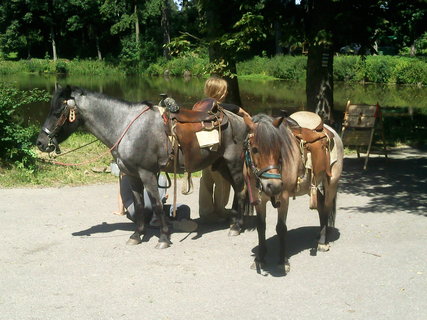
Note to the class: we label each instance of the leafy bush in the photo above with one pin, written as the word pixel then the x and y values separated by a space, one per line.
pixel 281 67
pixel 61 67
pixel 410 71
pixel 288 67
pixel 16 139
pixel 348 68
pixel 193 63
pixel 379 69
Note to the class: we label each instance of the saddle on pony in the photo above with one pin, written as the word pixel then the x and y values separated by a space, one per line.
pixel 315 140
pixel 195 129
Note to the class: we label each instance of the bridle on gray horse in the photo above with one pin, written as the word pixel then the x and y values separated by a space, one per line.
pixel 69 112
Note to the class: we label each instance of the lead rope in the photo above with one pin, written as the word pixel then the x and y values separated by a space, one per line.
pixel 109 150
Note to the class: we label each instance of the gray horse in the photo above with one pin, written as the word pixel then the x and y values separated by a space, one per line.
pixel 135 134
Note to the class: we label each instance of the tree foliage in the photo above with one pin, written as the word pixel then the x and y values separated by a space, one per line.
pixel 16 138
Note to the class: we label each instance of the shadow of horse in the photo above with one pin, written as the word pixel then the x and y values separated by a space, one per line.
pixel 105 227
pixel 299 240
pixel 395 184
pixel 150 232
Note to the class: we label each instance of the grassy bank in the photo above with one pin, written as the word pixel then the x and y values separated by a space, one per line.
pixel 375 69
pixel 47 174
pixel 73 67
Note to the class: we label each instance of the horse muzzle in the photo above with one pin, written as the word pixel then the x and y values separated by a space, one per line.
pixel 48 145
pixel 271 187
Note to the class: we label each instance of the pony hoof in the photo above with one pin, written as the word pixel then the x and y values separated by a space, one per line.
pixel 162 245
pixel 133 241
pixel 323 247
pixel 233 232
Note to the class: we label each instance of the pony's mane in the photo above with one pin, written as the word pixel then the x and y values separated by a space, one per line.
pixel 271 139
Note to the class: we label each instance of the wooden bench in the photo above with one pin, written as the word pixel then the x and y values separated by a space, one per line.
pixel 359 125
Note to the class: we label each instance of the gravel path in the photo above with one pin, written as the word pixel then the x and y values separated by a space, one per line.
pixel 63 256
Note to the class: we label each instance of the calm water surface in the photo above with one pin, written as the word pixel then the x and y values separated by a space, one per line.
pixel 257 96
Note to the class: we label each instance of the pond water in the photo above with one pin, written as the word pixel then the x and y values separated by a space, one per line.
pixel 257 96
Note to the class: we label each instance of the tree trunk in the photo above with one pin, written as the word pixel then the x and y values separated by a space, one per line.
pixel 52 39
pixel 319 83
pixel 278 37
pixel 136 22
pixel 98 49
pixel 217 54
pixel 165 28
pixel 413 49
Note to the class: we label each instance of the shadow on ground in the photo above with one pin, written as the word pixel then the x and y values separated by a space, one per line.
pixel 394 184
pixel 105 227
pixel 299 240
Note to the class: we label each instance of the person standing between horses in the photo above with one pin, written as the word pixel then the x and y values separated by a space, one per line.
pixel 214 188
pixel 182 221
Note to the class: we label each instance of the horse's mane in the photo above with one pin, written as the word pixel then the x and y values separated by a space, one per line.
pixel 268 138
pixel 65 93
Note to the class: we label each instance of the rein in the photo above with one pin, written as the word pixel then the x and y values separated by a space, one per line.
pixel 102 154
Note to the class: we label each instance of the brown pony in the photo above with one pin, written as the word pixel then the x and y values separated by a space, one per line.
pixel 274 171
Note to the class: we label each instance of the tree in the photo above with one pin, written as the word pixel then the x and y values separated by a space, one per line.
pixel 330 24
pixel 230 28
pixel 406 22
pixel 166 28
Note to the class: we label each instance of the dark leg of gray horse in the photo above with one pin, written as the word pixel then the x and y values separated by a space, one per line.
pixel 233 173
pixel 138 201
pixel 164 238
pixel 150 183
pixel 237 222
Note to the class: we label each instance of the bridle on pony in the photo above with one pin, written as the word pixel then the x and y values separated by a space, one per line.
pixel 258 173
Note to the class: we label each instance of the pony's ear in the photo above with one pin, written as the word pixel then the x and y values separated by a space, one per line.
pixel 278 121
pixel 249 123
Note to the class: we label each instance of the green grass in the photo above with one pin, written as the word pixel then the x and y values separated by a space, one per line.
pixel 51 175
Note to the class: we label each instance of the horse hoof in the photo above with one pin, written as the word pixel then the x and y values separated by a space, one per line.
pixel 323 247
pixel 233 232
pixel 133 241
pixel 162 245
pixel 257 265
pixel 286 267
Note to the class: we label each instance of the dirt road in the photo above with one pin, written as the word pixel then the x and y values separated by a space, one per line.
pixel 63 256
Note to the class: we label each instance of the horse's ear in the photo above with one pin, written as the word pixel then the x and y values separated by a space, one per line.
pixel 278 121
pixel 249 123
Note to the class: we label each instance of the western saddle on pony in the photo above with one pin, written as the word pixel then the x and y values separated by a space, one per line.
pixel 316 144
